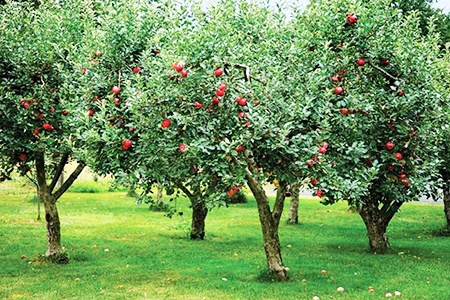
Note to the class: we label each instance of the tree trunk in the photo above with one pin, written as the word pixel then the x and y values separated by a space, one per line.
pixel 447 205
pixel 54 248
pixel 269 226
pixel 199 212
pixel 159 194
pixel 38 201
pixel 293 207
pixel 376 221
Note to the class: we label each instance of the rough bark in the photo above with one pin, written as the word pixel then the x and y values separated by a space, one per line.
pixel 293 206
pixel 199 212
pixel 38 201
pixel 45 193
pixel 376 221
pixel 447 205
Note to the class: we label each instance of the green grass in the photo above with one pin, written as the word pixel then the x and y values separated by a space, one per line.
pixel 150 256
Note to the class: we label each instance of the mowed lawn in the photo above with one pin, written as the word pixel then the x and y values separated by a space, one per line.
pixel 120 250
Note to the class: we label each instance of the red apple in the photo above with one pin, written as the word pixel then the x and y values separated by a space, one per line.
pixel 83 71
pixel 314 181
pixel 401 93
pixel 215 101
pixel 352 18
pixel 389 145
pixel 182 147
pixel 230 193
pixel 116 101
pixel 239 149
pixel 91 112
pixel 47 126
pixel 35 131
pixel 398 156
pixel 137 69
pixel 310 163
pixel 338 90
pixel 360 62
pixel 98 53
pixel 344 111
pixel 402 176
pixel 115 90
pixel 325 145
pixel 323 272
pixel 65 112
pixel 385 62
pixel 335 79
pixel 218 72
pixel 23 156
pixel 406 182
pixel 322 150
pixel 25 104
pixel 390 168
pixel 184 73
pixel 126 144
pixel 241 101
pixel 222 86
pixel 319 193
pixel 52 109
pixel 220 93
pixel 241 114
pixel 235 188
pixel 198 105
pixel 166 123
pixel 178 67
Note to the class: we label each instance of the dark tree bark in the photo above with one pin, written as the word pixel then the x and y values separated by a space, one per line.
pixel 199 212
pixel 54 249
pixel 447 204
pixel 270 221
pixel 293 206
pixel 377 220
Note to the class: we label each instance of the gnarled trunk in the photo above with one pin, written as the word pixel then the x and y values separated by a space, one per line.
pixel 269 226
pixel 447 205
pixel 54 247
pixel 293 206
pixel 199 212
pixel 377 220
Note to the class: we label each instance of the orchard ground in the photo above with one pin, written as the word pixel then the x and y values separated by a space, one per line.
pixel 120 250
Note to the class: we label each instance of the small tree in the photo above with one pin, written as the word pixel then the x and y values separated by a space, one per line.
pixel 37 48
pixel 371 79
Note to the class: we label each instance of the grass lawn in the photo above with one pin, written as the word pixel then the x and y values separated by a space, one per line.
pixel 120 250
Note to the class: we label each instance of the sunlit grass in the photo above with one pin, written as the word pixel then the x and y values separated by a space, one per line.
pixel 120 250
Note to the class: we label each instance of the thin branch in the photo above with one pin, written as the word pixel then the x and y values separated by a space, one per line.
pixel 185 191
pixel 383 71
pixel 59 170
pixel 65 186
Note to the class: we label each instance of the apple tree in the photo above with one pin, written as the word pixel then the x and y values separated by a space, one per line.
pixel 209 113
pixel 37 100
pixel 371 76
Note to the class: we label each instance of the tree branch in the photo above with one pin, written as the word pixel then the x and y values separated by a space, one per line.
pixel 391 211
pixel 383 71
pixel 279 204
pixel 185 191
pixel 65 186
pixel 40 172
pixel 59 170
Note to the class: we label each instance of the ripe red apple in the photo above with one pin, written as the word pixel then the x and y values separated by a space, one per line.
pixel 241 101
pixel 390 168
pixel 116 101
pixel 83 71
pixel 322 150
pixel 310 163
pixel 184 73
pixel 166 123
pixel 178 67
pixel 25 104
pixel 220 93
pixel 401 93
pixel 115 90
pixel 235 188
pixel 47 126
pixel 222 86
pixel 335 79
pixel 338 90
pixel 91 112
pixel 344 111
pixel 230 193
pixel 23 156
pixel 360 62
pixel 215 101
pixel 182 147
pixel 319 193
pixel 352 18
pixel 314 181
pixel 126 144
pixel 406 182
pixel 98 53
pixel 241 114
pixel 35 131
pixel 51 91
pixel 198 105
pixel 137 69
pixel 52 109
pixel 239 149
pixel 218 72
pixel 325 145
pixel 398 156
pixel 389 146
pixel 402 176
pixel 65 112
